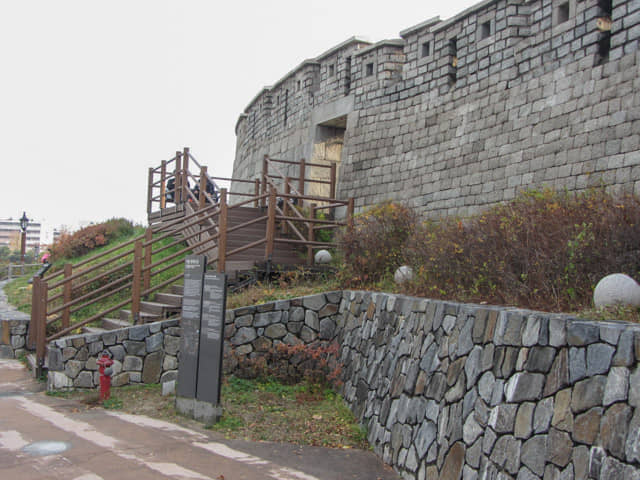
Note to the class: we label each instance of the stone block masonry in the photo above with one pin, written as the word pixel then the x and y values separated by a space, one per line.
pixel 142 354
pixel 13 335
pixel 450 391
pixel 446 390
pixel 461 114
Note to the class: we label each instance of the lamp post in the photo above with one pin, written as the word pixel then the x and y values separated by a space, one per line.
pixel 24 222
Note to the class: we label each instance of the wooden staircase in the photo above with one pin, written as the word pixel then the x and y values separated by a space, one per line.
pixel 165 305
pixel 269 226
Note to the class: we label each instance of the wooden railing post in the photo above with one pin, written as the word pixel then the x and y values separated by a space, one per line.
pixel 135 288
pixel 68 271
pixel 177 191
pixel 301 180
pixel 185 174
pixel 257 193
pixel 222 228
pixel 203 186
pixel 32 338
pixel 163 184
pixel 150 192
pixel 271 224
pixel 265 174
pixel 332 185
pixel 285 204
pixel 41 325
pixel 146 276
pixel 311 235
pixel 350 214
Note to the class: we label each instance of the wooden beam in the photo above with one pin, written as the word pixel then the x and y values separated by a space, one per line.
pixel 68 290
pixel 222 229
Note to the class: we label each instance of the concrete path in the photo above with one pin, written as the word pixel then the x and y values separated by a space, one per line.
pixel 44 437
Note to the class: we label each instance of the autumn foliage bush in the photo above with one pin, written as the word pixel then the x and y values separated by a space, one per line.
pixel 376 245
pixel 544 250
pixel 70 245
pixel 291 364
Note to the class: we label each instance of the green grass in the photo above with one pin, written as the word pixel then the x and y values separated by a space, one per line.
pixel 113 403
pixel 255 410
pixel 303 413
pixel 19 292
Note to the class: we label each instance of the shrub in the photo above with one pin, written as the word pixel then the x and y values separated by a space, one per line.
pixel 70 245
pixel 544 250
pixel 290 364
pixel 376 243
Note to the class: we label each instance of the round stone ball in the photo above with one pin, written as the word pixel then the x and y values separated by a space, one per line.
pixel 617 289
pixel 403 274
pixel 322 257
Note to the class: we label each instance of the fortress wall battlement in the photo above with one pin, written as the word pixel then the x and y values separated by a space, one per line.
pixel 460 114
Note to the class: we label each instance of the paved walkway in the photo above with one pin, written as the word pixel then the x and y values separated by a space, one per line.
pixel 44 437
pixel 8 312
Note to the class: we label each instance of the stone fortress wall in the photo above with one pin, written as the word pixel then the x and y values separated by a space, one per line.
pixel 446 390
pixel 460 114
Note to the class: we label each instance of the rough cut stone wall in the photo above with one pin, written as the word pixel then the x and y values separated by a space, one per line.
pixel 13 328
pixel 13 335
pixel 446 390
pixel 142 354
pixel 452 391
pixel 460 114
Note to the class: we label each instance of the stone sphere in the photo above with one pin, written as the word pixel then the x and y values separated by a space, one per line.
pixel 322 257
pixel 403 274
pixel 617 289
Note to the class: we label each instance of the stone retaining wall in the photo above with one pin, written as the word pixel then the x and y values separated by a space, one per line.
pixel 142 354
pixel 13 336
pixel 446 390
pixel 13 328
pixel 455 391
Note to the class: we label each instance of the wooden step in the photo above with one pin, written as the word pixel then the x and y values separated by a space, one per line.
pixel 177 289
pixel 114 323
pixel 155 308
pixel 144 316
pixel 93 330
pixel 169 299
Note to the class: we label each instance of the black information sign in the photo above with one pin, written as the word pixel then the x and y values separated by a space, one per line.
pixel 214 299
pixel 194 268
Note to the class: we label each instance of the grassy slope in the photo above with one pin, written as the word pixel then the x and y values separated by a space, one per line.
pixel 19 292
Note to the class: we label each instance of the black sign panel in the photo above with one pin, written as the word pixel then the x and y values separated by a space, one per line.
pixel 194 268
pixel 214 300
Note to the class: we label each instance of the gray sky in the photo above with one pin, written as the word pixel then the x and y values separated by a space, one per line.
pixel 92 93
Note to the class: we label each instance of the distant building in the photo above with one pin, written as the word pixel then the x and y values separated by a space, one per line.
pixel 10 234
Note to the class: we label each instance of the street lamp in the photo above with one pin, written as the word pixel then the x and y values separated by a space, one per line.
pixel 24 222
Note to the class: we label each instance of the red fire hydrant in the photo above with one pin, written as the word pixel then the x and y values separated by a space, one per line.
pixel 106 371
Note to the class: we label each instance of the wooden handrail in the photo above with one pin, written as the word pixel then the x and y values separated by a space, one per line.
pixel 93 300
pixel 92 268
pixel 306 180
pixel 312 198
pixel 256 243
pixel 293 162
pixel 308 220
pixel 93 258
pixel 71 303
pixel 93 318
pixel 193 217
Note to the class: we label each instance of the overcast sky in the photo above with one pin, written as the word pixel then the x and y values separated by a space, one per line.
pixel 92 93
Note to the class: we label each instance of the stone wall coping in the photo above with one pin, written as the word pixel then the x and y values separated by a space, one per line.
pixel 310 61
pixel 394 42
pixel 465 13
pixel 426 24
pixel 14 315
pixel 61 342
